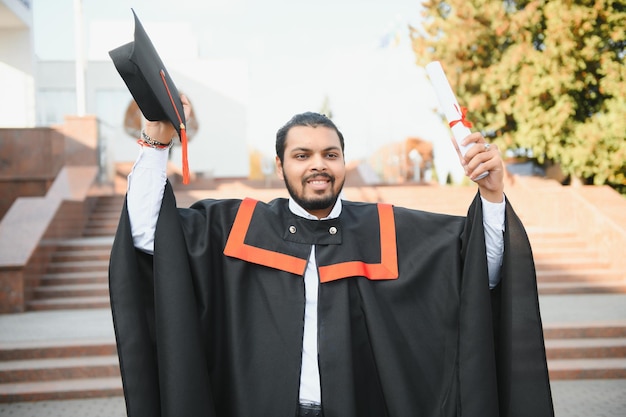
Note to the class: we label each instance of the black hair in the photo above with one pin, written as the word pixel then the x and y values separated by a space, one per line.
pixel 310 119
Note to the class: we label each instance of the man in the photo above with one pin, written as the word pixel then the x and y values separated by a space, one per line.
pixel 318 306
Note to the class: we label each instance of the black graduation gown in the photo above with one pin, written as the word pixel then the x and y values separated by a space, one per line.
pixel 212 325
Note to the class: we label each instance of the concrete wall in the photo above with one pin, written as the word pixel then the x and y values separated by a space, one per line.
pixel 30 159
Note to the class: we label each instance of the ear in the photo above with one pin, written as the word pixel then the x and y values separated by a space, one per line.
pixel 279 168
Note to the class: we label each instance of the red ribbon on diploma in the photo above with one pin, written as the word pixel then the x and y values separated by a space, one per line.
pixel 463 120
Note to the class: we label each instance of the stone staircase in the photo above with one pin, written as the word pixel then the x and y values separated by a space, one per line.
pixel 576 273
pixel 567 265
pixel 586 352
pixel 56 371
pixel 77 273
pixel 77 276
pixel 76 279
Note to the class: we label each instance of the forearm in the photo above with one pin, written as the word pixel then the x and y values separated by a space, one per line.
pixel 493 223
pixel 146 184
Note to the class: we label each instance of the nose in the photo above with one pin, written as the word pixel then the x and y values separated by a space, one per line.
pixel 318 163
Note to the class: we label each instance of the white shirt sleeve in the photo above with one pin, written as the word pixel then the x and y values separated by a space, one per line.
pixel 493 222
pixel 146 184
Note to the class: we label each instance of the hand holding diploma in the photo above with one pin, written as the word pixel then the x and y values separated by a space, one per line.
pixel 481 160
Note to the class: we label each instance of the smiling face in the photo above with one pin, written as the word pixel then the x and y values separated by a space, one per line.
pixel 313 168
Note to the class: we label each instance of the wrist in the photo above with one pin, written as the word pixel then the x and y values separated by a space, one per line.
pixel 492 196
pixel 146 140
pixel 159 131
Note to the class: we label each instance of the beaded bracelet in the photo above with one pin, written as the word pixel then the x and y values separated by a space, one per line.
pixel 148 141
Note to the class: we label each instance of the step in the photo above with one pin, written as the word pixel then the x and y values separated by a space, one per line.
pixel 539 244
pixel 110 200
pixel 75 290
pixel 71 278
pixel 571 348
pixel 112 213
pixel 110 227
pixel 107 203
pixel 580 275
pixel 56 369
pixel 106 213
pixel 599 287
pixel 22 350
pixel 549 234
pixel 81 243
pixel 77 266
pixel 104 218
pixel 71 303
pixel 103 223
pixel 63 369
pixel 102 254
pixel 597 368
pixel 76 246
pixel 588 330
pixel 99 232
pixel 556 252
pixel 570 264
pixel 58 390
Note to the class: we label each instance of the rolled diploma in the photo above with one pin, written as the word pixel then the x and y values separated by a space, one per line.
pixel 449 105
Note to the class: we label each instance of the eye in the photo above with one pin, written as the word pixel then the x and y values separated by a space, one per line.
pixel 332 155
pixel 300 156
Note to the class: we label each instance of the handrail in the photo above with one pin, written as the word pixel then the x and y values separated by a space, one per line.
pixel 27 220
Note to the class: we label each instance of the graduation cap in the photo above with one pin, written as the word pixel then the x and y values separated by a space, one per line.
pixel 150 84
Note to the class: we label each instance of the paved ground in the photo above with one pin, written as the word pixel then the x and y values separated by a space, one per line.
pixel 97 407
pixel 589 398
pixel 586 398
pixel 583 308
pixel 571 399
pixel 582 398
pixel 56 325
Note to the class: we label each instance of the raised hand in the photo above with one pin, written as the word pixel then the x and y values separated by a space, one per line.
pixel 162 130
pixel 480 157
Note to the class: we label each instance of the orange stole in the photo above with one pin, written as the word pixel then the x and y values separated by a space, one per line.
pixel 386 269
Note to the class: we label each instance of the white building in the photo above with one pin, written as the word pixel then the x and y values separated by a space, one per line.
pixel 17 64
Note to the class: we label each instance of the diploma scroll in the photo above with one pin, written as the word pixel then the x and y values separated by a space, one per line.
pixel 455 114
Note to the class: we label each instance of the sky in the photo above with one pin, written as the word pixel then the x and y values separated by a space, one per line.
pixel 355 53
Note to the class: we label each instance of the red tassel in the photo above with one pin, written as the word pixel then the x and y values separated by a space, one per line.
pixel 183 141
pixel 183 131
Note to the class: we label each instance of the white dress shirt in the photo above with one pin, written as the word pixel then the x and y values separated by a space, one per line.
pixel 146 184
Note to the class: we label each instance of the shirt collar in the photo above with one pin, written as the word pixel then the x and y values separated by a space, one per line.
pixel 299 211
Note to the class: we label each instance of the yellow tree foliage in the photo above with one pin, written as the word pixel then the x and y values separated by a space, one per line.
pixel 544 77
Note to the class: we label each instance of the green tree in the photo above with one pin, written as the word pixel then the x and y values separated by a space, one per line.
pixel 541 76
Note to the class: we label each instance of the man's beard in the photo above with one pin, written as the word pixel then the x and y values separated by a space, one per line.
pixel 316 203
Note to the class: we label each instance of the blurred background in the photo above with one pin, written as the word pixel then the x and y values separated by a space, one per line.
pixel 545 80
pixel 247 67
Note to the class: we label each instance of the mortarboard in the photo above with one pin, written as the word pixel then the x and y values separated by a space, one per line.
pixel 150 85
